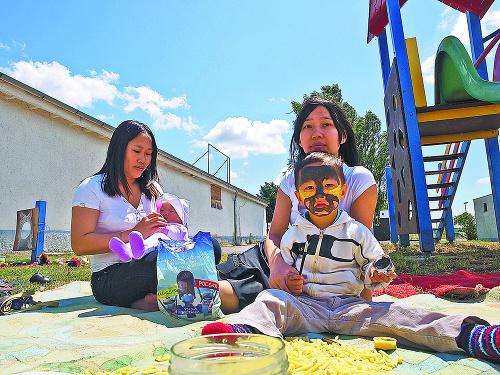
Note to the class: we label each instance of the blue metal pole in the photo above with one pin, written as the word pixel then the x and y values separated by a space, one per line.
pixel 385 62
pixel 450 229
pixel 491 144
pixel 390 201
pixel 42 209
pixel 421 198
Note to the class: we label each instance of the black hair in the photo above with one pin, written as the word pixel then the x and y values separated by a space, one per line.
pixel 186 276
pixel 348 151
pixel 323 158
pixel 113 168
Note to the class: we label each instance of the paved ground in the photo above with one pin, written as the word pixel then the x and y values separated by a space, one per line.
pixel 235 249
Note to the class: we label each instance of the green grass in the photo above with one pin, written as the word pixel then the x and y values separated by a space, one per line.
pixel 59 275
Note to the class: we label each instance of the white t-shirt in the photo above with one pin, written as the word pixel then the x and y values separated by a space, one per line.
pixel 115 214
pixel 357 178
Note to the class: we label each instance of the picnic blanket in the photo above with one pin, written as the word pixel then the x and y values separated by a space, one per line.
pixel 83 334
pixel 460 283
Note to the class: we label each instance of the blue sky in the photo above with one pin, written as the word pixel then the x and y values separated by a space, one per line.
pixel 222 72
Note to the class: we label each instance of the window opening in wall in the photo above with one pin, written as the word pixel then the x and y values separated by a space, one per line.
pixel 216 197
pixel 485 207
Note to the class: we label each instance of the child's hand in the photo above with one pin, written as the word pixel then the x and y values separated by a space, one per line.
pixel 294 283
pixel 381 277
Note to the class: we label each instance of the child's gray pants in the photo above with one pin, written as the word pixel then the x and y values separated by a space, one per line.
pixel 278 313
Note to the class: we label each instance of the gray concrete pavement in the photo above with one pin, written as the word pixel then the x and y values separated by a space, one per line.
pixel 235 249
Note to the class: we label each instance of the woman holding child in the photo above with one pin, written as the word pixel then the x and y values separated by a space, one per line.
pixel 325 252
pixel 117 200
pixel 120 203
pixel 321 125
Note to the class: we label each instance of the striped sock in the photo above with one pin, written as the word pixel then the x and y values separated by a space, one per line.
pixel 221 327
pixel 480 341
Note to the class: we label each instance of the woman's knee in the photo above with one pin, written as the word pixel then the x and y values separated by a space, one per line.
pixel 229 300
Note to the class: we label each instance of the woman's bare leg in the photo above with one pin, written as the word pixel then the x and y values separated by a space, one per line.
pixel 229 300
pixel 148 303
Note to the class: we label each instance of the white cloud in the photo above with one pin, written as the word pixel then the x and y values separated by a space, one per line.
pixel 3 46
pixel 154 104
pixel 444 23
pixel 276 100
pixel 461 30
pixel 428 69
pixel 56 80
pixel 104 117
pixel 234 175
pixel 485 180
pixel 199 144
pixel 490 22
pixel 238 137
pixel 456 22
pixel 144 98
pixel 18 45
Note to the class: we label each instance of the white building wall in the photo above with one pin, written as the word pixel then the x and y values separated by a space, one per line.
pixel 49 149
pixel 485 218
pixel 47 160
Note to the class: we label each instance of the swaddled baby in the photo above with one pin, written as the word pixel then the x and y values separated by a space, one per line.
pixel 175 211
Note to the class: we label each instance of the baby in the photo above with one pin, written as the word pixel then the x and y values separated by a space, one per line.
pixel 175 211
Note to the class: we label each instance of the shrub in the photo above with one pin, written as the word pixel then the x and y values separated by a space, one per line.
pixel 467 225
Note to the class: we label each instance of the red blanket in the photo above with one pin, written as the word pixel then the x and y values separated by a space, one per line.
pixel 461 283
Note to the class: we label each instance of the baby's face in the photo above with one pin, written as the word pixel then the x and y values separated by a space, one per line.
pixel 169 213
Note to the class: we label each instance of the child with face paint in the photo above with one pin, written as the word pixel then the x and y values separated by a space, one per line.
pixel 320 184
pixel 331 251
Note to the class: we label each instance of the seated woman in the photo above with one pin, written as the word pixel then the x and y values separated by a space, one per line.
pixel 321 125
pixel 117 200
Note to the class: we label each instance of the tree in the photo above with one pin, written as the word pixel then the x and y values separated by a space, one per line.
pixel 370 139
pixel 268 192
pixel 467 225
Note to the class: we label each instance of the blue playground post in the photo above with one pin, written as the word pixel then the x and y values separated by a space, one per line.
pixel 450 229
pixel 385 63
pixel 390 203
pixel 491 144
pixel 421 198
pixel 42 208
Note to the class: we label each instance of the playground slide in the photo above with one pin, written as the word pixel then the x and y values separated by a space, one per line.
pixel 456 79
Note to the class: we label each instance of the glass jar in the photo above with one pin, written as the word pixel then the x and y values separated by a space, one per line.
pixel 229 354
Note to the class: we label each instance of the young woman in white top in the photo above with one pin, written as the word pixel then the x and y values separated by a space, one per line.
pixel 321 125
pixel 118 199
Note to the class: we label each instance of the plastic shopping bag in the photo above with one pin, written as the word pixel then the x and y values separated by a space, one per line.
pixel 188 288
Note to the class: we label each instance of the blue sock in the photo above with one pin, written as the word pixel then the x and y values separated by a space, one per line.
pixel 480 341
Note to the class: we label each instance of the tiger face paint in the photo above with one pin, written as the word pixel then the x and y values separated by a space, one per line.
pixel 320 190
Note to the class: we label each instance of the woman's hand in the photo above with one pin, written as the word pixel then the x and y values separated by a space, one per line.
pixel 152 223
pixel 280 271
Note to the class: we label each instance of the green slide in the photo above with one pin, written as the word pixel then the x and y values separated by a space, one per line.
pixel 456 79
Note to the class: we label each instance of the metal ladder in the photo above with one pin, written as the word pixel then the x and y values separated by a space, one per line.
pixel 449 171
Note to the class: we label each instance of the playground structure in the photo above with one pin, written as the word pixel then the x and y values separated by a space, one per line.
pixel 34 219
pixel 467 107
